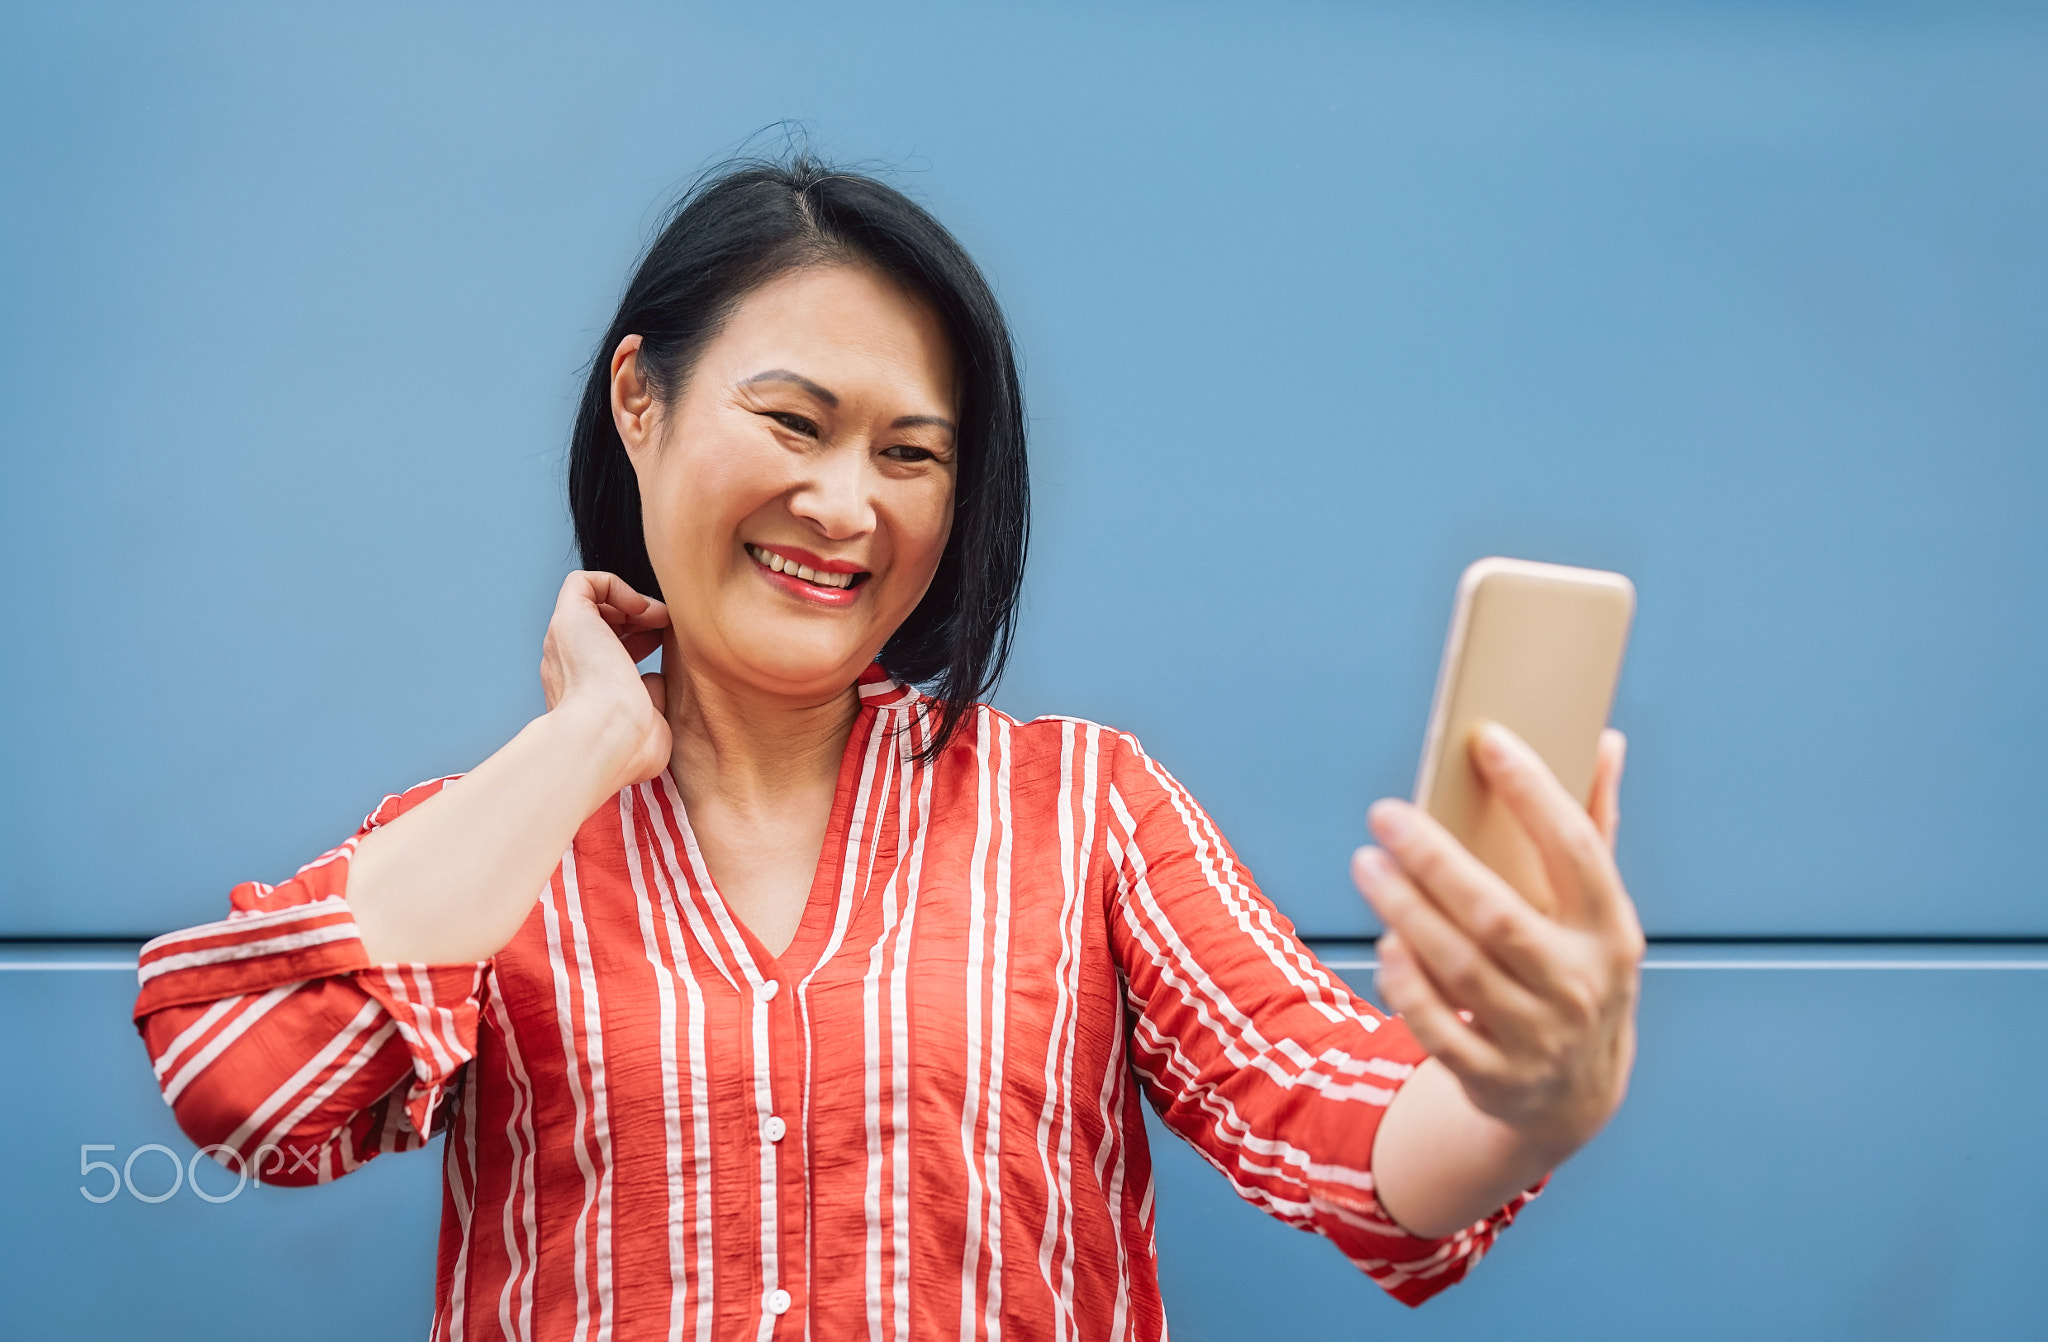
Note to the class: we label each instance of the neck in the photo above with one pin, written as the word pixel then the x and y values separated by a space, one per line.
pixel 739 748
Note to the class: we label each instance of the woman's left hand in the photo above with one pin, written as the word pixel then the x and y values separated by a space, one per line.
pixel 1533 1015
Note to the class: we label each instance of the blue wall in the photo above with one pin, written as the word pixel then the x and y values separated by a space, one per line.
pixel 1316 302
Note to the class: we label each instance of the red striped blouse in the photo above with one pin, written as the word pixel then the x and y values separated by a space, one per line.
pixel 920 1120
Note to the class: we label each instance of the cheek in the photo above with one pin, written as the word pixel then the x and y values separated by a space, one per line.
pixel 926 524
pixel 702 495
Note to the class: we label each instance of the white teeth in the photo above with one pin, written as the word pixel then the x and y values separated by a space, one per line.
pixel 770 560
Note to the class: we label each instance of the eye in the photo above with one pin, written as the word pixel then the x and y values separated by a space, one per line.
pixel 906 452
pixel 794 423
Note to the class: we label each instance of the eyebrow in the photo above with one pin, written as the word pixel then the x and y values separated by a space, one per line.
pixel 831 398
pixel 795 379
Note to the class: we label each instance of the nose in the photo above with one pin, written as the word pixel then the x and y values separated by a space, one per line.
pixel 836 499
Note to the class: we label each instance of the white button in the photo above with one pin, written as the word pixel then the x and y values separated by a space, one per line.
pixel 778 1301
pixel 769 989
pixel 775 1127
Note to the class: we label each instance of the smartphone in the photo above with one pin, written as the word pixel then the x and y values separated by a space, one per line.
pixel 1536 648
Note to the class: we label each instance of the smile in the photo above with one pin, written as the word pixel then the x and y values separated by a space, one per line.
pixel 776 563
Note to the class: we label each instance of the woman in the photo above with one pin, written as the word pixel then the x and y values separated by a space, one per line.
pixel 772 995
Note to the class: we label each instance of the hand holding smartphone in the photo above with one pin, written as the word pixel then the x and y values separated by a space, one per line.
pixel 1538 649
pixel 1527 1013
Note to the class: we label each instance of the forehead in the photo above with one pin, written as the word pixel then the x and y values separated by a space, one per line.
pixel 849 328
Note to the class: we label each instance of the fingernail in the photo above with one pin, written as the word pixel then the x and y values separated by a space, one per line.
pixel 1388 819
pixel 1493 741
pixel 1372 865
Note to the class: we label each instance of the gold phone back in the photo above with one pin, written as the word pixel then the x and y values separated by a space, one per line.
pixel 1537 648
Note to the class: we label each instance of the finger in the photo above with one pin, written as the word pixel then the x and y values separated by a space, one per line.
pixel 578 589
pixel 1469 892
pixel 1406 991
pixel 1605 804
pixel 609 591
pixel 1464 973
pixel 1575 854
pixel 653 615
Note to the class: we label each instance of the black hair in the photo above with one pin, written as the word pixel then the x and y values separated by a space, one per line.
pixel 743 225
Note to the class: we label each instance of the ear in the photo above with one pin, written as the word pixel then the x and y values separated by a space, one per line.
pixel 634 410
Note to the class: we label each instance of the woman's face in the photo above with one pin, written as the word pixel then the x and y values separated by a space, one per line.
pixel 798 493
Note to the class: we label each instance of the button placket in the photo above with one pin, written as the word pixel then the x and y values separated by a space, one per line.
pixel 773 1128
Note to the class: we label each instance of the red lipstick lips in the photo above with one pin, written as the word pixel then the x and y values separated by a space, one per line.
pixel 825 594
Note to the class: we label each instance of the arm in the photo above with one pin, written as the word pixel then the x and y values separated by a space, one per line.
pixel 273 1036
pixel 1530 1020
pixel 454 878
pixel 284 1032
pixel 1253 1052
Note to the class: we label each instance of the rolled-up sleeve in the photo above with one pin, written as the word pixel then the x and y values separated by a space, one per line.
pixel 1250 1049
pixel 274 1038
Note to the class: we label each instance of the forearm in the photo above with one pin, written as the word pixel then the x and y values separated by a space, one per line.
pixel 453 879
pixel 1439 1163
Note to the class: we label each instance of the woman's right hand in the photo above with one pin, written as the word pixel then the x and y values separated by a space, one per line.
pixel 600 631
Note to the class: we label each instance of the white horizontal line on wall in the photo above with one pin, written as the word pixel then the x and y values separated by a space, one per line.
pixel 128 965
pixel 1786 964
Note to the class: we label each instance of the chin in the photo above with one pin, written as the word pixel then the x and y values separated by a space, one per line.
pixel 804 665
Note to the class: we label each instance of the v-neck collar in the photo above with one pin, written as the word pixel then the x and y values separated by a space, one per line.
pixel 806 950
